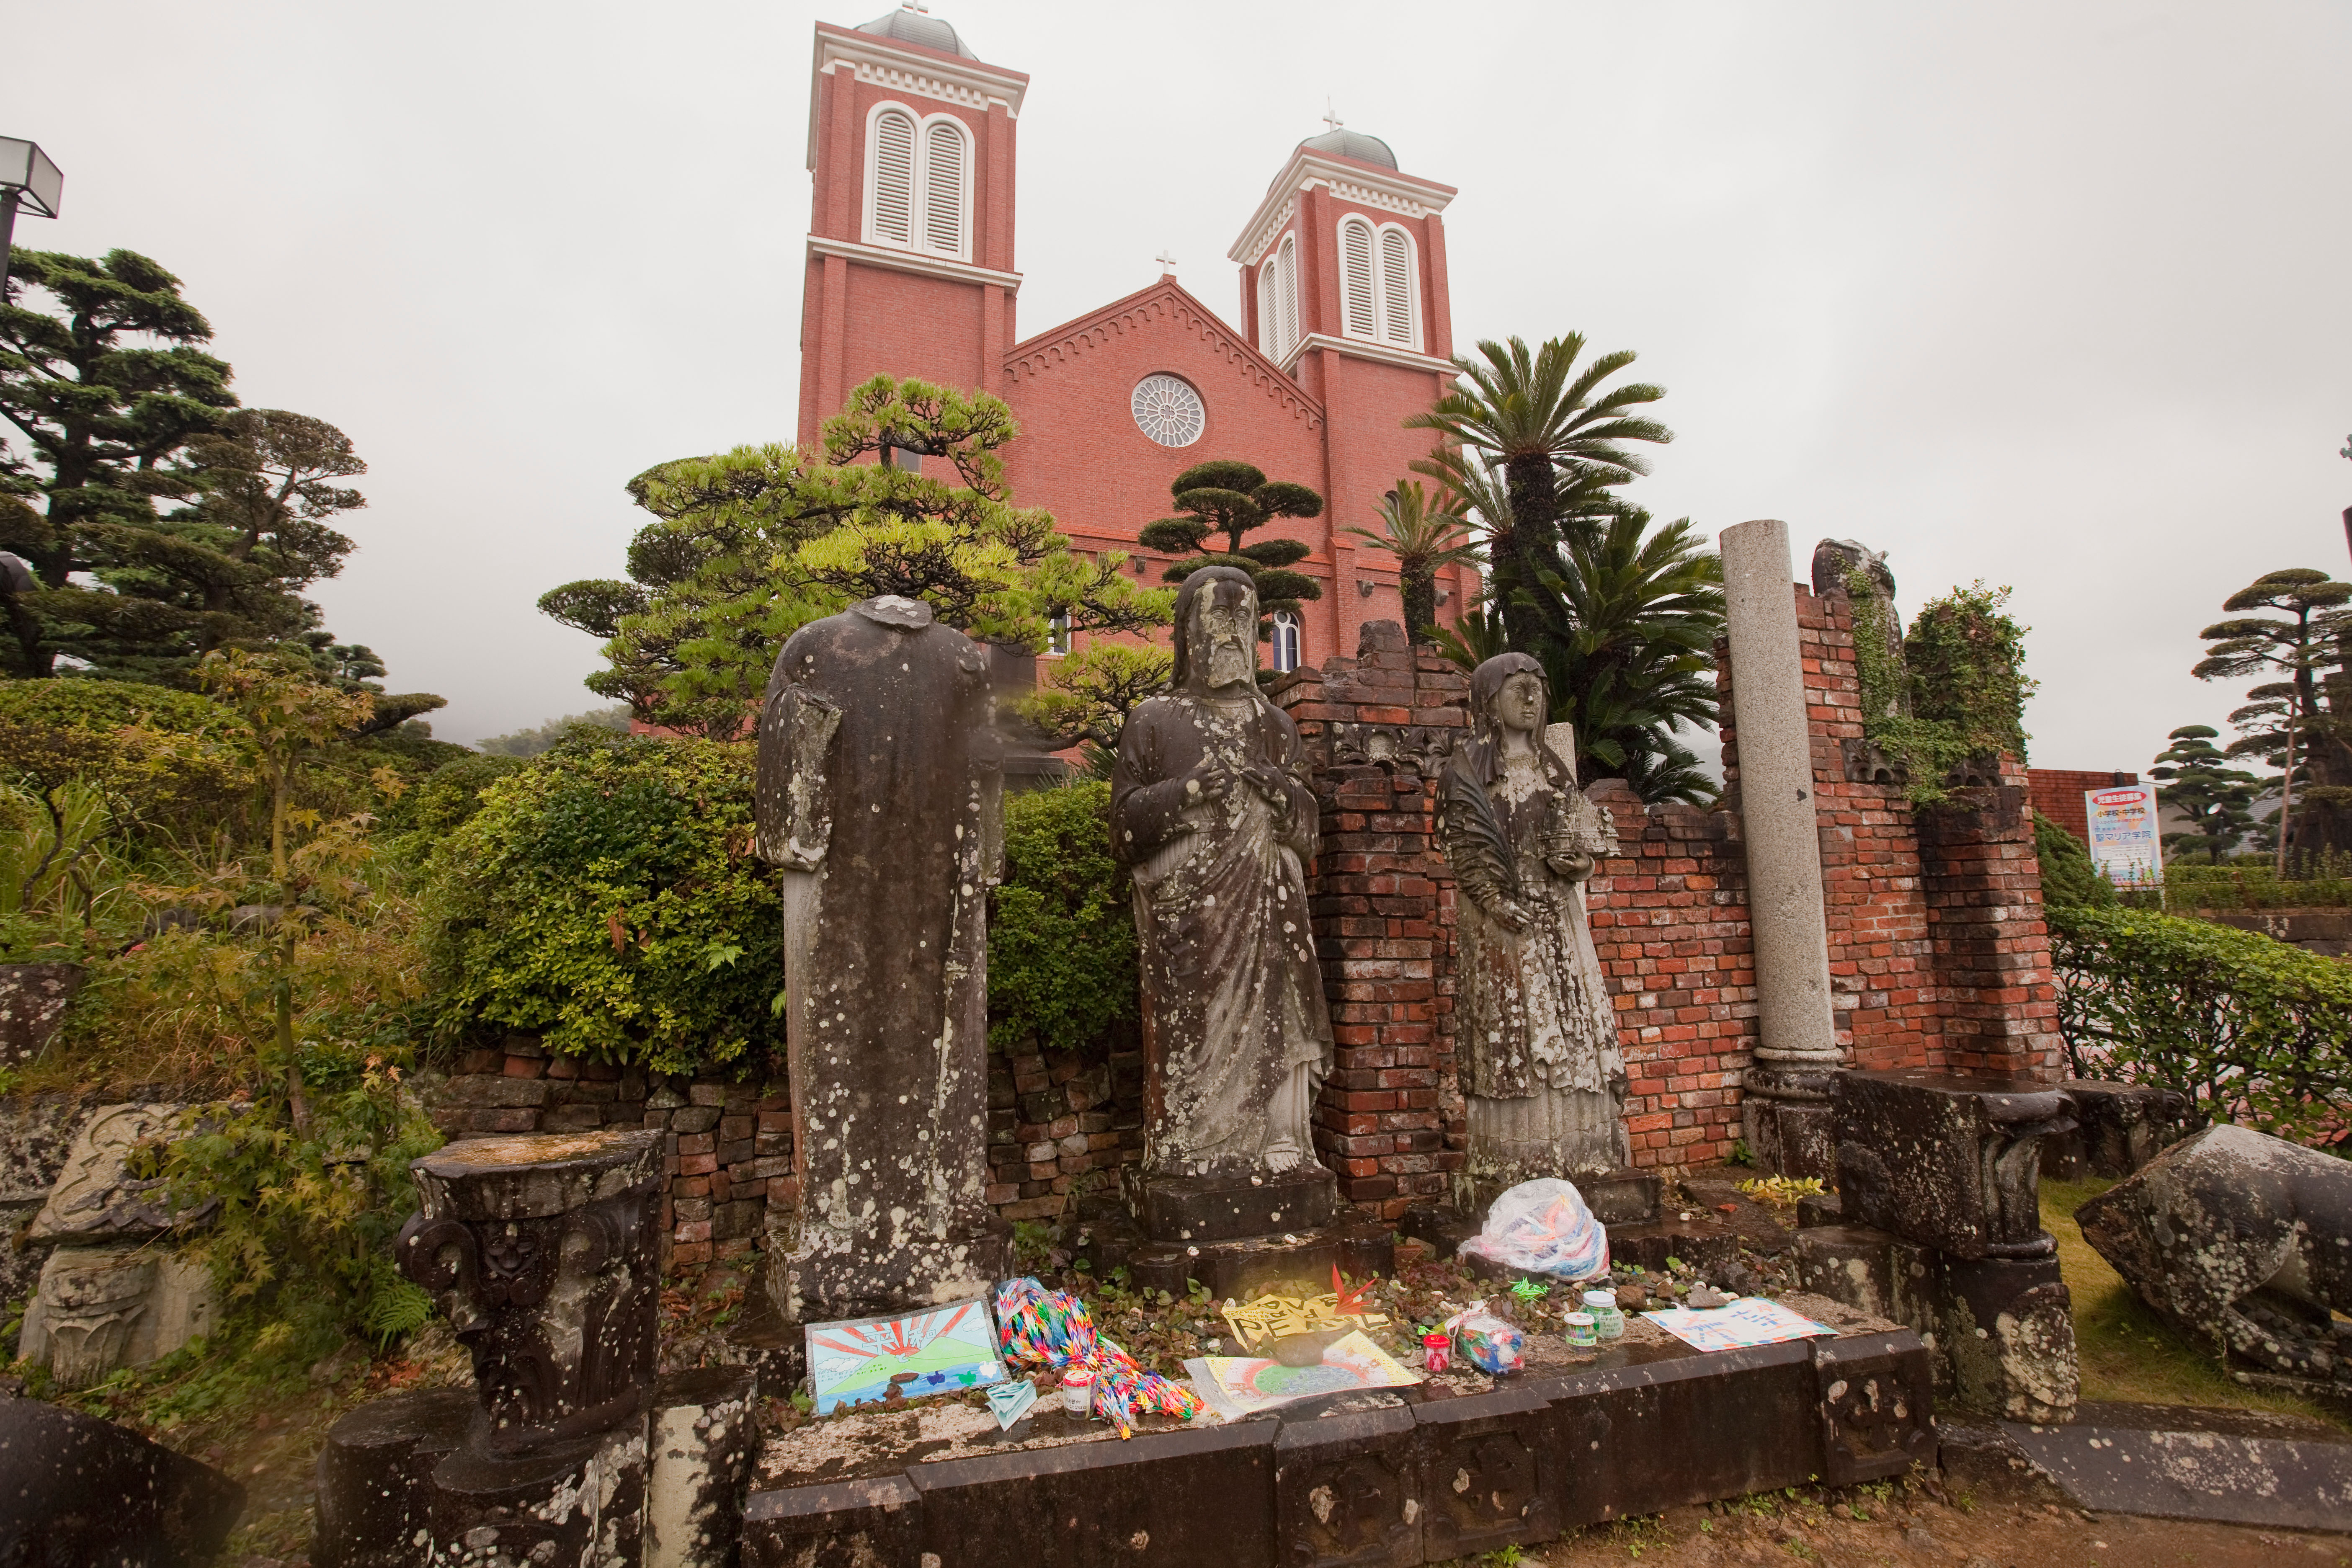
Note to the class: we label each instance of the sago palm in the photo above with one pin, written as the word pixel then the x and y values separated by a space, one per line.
pixel 1425 534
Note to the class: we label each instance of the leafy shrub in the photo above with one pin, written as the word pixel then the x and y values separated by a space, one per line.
pixel 1959 691
pixel 2252 1029
pixel 1061 934
pixel 450 795
pixel 605 896
pixel 2325 884
pixel 2068 877
pixel 171 760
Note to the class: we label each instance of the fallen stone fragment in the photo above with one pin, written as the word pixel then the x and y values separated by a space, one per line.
pixel 74 1489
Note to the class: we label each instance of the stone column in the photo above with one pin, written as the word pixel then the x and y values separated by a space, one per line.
pixel 1786 1110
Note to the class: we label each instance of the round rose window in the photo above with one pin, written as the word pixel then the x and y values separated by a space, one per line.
pixel 1169 411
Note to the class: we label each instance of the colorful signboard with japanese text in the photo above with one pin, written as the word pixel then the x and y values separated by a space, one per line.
pixel 2125 844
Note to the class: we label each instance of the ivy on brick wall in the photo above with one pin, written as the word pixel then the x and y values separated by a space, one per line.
pixel 605 897
pixel 1061 934
pixel 2252 1030
pixel 1963 671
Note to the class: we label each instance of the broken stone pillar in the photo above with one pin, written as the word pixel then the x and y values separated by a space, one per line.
pixel 112 1293
pixel 544 1250
pixel 1939 1186
pixel 879 798
pixel 2118 1127
pixel 1785 1109
pixel 76 1489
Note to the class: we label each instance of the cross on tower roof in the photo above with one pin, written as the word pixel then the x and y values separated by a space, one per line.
pixel 1329 118
pixel 1166 258
pixel 914 5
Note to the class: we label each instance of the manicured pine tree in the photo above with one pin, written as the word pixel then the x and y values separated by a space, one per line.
pixel 1229 500
pixel 2198 782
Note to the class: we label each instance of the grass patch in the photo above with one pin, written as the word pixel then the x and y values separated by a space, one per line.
pixel 2129 1355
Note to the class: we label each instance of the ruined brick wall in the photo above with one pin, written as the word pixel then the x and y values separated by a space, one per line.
pixel 729 1152
pixel 1061 1125
pixel 1377 730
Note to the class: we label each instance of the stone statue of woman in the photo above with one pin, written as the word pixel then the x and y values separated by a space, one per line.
pixel 1535 1035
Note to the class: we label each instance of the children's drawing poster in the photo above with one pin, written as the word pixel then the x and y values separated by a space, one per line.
pixel 938 1351
pixel 2126 836
pixel 1751 1320
pixel 1237 1386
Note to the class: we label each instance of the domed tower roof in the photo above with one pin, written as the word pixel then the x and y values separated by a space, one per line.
pixel 1353 144
pixel 910 25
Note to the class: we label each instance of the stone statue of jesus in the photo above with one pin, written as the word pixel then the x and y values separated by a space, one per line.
pixel 1208 809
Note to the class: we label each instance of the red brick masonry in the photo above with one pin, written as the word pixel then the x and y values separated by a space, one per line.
pixel 2057 794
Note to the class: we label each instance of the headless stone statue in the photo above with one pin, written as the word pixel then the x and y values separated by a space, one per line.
pixel 1207 807
pixel 878 795
pixel 1535 1032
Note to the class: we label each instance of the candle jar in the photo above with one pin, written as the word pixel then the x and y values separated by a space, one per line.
pixel 1608 1318
pixel 1436 1351
pixel 1078 1390
pixel 1580 1332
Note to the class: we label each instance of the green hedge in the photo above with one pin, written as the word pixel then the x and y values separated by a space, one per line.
pixel 2252 1029
pixel 1061 934
pixel 605 896
pixel 174 760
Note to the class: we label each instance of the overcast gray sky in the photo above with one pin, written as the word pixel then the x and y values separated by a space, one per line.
pixel 2058 296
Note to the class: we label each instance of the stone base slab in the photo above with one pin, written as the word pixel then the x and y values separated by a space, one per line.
pixel 1358 1248
pixel 2232 1466
pixel 1396 1477
pixel 1185 1210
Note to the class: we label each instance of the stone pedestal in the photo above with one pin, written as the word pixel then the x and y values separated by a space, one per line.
pixel 1236 1234
pixel 1953 1164
pixel 1784 1110
pixel 543 1249
pixel 2118 1127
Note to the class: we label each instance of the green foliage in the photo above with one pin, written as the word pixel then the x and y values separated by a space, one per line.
pixel 2251 882
pixel 62 877
pixel 605 896
pixel 2252 1029
pixel 170 762
pixel 305 1223
pixel 532 741
pixel 1964 665
pixel 1426 534
pixel 452 792
pixel 1086 697
pixel 751 544
pixel 1061 935
pixel 2068 877
pixel 1232 499
pixel 2217 799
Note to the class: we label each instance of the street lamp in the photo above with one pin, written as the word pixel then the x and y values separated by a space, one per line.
pixel 27 179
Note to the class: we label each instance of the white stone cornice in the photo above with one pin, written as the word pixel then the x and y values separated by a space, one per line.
pixel 1387 353
pixel 921 73
pixel 1363 183
pixel 913 261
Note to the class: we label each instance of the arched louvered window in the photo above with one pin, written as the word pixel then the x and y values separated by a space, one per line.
pixel 1266 309
pixel 1286 641
pixel 890 187
pixel 1396 287
pixel 943 182
pixel 919 183
pixel 1359 312
pixel 1285 300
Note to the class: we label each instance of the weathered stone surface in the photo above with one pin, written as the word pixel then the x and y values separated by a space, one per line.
pixel 701 1460
pixel 100 1308
pixel 878 796
pixel 2240 1240
pixel 1624 1196
pixel 1870 1270
pixel 1489 1469
pixel 1536 1032
pixel 1344 1493
pixel 1237 1268
pixel 1952 1163
pixel 582 1501
pixel 1211 810
pixel 2006 1327
pixel 95 1198
pixel 1709 1248
pixel 1222 1208
pixel 2118 1127
pixel 33 1002
pixel 36 1132
pixel 1877 1398
pixel 865 1523
pixel 77 1489
pixel 374 1478
pixel 2236 1466
pixel 542 1249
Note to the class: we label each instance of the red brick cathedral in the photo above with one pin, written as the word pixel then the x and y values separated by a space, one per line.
pixel 1344 323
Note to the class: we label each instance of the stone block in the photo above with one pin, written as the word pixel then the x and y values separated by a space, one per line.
pixel 101 1308
pixel 700 1459
pixel 83 1491
pixel 1193 1496
pixel 2005 1328
pixel 1872 1271
pixel 875 1523
pixel 1877 1406
pixel 1487 1469
pixel 1709 1248
pixel 1344 1473
pixel 695 1119
pixel 95 1199
pixel 571 1118
pixel 33 1002
pixel 1952 1163
pixel 583 1501
pixel 1237 1268
pixel 375 1472
pixel 1191 1209
pixel 707 1094
pixel 2118 1127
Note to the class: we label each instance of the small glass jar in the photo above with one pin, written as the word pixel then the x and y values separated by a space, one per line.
pixel 1581 1333
pixel 1608 1318
pixel 1436 1351
pixel 1078 1390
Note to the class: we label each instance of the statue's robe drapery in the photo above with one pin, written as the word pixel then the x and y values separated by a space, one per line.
pixel 1535 1032
pixel 878 794
pixel 1236 1036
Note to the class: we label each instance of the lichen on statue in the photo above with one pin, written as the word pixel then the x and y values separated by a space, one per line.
pixel 1209 809
pixel 1535 1030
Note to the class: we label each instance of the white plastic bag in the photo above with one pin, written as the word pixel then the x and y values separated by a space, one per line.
pixel 1543 1227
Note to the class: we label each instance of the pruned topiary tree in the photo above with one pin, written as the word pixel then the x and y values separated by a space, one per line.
pixel 1230 498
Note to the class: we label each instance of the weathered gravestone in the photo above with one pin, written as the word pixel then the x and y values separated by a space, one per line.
pixel 112 1293
pixel 543 1249
pixel 2241 1241
pixel 880 796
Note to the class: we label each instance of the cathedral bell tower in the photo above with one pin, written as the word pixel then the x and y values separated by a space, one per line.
pixel 910 230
